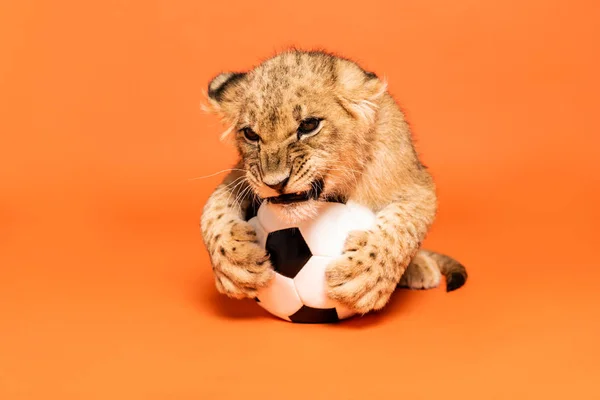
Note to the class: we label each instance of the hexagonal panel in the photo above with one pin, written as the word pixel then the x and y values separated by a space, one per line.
pixel 361 217
pixel 280 297
pixel 326 233
pixel 288 250
pixel 309 315
pixel 310 283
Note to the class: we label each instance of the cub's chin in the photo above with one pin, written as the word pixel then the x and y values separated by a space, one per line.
pixel 293 213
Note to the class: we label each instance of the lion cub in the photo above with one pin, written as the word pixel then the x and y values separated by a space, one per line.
pixel 310 127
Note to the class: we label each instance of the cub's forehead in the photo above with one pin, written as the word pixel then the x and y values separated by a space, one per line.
pixel 284 88
pixel 292 68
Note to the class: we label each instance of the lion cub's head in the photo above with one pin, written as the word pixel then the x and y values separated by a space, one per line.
pixel 302 122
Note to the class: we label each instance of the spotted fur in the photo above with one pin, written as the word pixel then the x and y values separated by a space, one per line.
pixel 362 151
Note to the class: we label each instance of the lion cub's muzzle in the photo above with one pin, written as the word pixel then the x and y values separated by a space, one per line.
pixel 314 193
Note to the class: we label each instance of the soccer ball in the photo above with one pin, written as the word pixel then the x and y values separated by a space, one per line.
pixel 300 254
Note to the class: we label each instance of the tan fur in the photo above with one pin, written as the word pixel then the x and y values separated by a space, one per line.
pixel 240 266
pixel 363 151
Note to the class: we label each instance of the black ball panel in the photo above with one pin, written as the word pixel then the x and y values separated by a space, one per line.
pixel 288 251
pixel 309 315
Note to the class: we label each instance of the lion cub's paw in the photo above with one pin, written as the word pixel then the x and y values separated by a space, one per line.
pixel 359 278
pixel 240 265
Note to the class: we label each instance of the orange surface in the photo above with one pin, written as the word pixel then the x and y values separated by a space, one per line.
pixel 105 289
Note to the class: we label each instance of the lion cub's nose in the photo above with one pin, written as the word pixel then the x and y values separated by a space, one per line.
pixel 279 186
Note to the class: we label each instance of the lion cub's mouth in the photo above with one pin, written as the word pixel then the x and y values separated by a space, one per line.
pixel 298 197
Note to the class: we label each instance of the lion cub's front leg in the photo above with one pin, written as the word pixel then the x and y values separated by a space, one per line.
pixel 240 265
pixel 373 262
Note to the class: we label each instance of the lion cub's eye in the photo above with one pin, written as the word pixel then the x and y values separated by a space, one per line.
pixel 250 135
pixel 308 126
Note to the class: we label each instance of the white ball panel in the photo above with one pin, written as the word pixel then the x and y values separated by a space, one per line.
pixel 280 297
pixel 360 217
pixel 261 234
pixel 310 283
pixel 326 233
pixel 270 219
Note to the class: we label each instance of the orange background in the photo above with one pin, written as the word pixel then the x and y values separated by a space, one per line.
pixel 105 287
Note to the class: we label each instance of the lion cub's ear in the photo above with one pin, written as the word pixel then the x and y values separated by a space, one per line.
pixel 222 91
pixel 359 90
